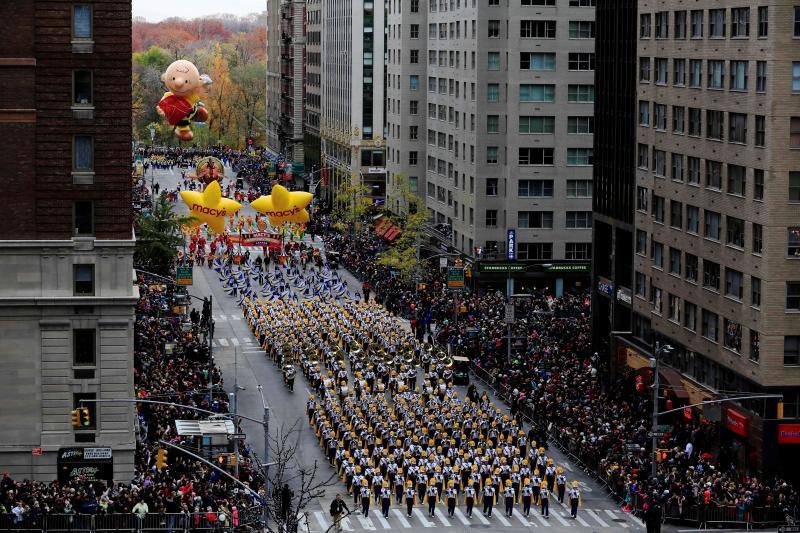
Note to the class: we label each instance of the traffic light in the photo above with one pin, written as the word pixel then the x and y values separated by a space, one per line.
pixel 232 460
pixel 161 458
pixel 85 418
pixel 222 459
pixel 780 409
pixel 76 418
pixel 662 454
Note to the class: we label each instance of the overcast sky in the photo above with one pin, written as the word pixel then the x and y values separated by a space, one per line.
pixel 155 10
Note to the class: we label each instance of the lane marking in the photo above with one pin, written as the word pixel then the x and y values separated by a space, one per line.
pixel 346 524
pixel 578 519
pixel 382 520
pixel 223 342
pixel 422 518
pixel 476 512
pixel 596 517
pixel 502 519
pixel 521 517
pixel 560 519
pixel 321 520
pixel 463 519
pixel 235 341
pixel 610 513
pixel 442 518
pixel 222 317
pixel 366 522
pixel 542 520
pixel 401 518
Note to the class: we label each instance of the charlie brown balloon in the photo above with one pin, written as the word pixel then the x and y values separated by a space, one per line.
pixel 181 104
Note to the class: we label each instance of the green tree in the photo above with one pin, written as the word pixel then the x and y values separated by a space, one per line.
pixel 158 236
pixel 351 201
pixel 402 255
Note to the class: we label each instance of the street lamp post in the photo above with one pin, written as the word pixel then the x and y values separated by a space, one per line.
pixel 659 351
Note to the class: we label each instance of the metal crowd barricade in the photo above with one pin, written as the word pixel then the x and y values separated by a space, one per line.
pixel 73 523
pixel 116 523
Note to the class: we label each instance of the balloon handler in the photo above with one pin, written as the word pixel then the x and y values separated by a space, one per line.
pixel 181 104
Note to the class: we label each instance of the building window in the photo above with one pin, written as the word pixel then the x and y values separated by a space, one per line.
pixel 580 93
pixel 641 242
pixel 578 156
pixel 695 121
pixel 716 74
pixel 676 214
pixel 492 123
pixel 680 24
pixel 413 107
pixel 734 283
pixel 83 347
pixel 739 75
pixel 82 88
pixel 797 21
pixel 644 113
pixel 491 218
pixel 579 219
pixel 710 321
pixel 675 261
pixel 733 335
pixel 581 29
pixel 643 156
pixel 537 29
pixel 755 291
pixel 578 250
pixel 659 162
pixel 491 186
pixel 794 187
pixel 758 184
pixel 712 227
pixel 761 133
pixel 696 73
pixel 692 219
pixel 793 239
pixel 662 70
pixel 83 153
pixel 535 188
pixel 693 170
pixel 737 128
pixel 794 132
pixel 491 155
pixel 415 6
pixel 644 25
pixel 413 82
pixel 697 24
pixel 711 275
pixel 791 350
pixel 413 158
pixel 715 125
pixel 580 125
pixel 740 22
pixel 83 217
pixel 662 25
pixel 678 119
pixel 414 57
pixel 537 125
pixel 536 93
pixel 82 22
pixel 581 61
pixel 761 76
pixel 537 61
pixel 579 188
pixel 755 345
pixel 642 196
pixel 691 267
pixel 494 29
pixel 679 72
pixel 414 30
pixel 763 21
pixel 716 23
pixel 689 316
pixel 535 219
pixel 528 251
pixel 658 208
pixel 493 92
pixel 535 156
pixel 543 3
pixel 793 295
pixel 758 238
pixel 677 167
pixel 796 76
pixel 83 279
pixel 493 61
pixel 736 179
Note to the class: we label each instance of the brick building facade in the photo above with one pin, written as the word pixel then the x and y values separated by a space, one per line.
pixel 66 250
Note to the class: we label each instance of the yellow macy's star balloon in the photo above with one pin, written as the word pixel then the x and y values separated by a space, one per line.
pixel 210 206
pixel 283 205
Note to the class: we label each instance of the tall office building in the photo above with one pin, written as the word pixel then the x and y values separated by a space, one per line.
pixel 67 296
pixel 352 107
pixel 716 212
pixel 507 91
pixel 313 85
pixel 273 107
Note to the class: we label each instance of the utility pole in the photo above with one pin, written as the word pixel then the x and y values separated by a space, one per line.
pixel 235 395
pixel 265 423
pixel 509 302
pixel 654 426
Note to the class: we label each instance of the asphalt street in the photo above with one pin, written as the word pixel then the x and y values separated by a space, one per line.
pixel 243 362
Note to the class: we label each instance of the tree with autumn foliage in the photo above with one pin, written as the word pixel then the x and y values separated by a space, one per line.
pixel 231 50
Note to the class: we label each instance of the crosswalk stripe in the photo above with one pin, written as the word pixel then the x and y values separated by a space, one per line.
pixel 596 517
pixel 236 317
pixel 346 524
pixel 402 518
pixel 248 340
pixel 558 517
pixel 382 520
pixel 222 317
pixel 567 466
pixel 366 522
pixel 302 521
pixel 323 524
pixel 223 342
pixel 422 519
pixel 480 516
pixel 463 519
pixel 610 513
pixel 442 519
pixel 578 519
pixel 502 520
pixel 541 519
pixel 235 341
pixel 522 520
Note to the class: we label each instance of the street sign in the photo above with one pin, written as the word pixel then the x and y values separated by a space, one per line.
pixel 501 266
pixel 656 434
pixel 512 244
pixel 455 278
pixel 184 275
pixel 632 447
pixel 664 427
pixel 237 436
pixel 509 313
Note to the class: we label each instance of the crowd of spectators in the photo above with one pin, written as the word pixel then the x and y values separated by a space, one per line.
pixel 555 377
pixel 171 363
